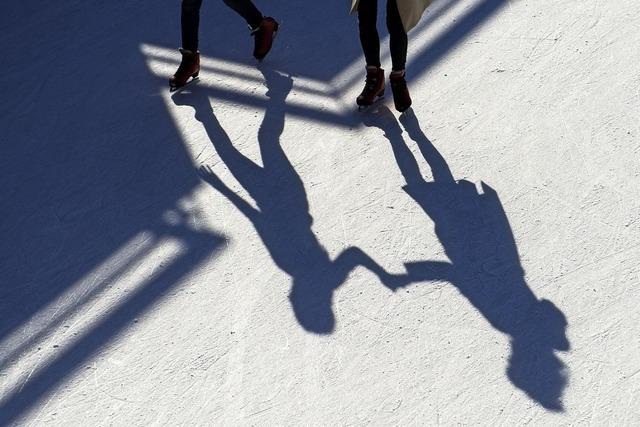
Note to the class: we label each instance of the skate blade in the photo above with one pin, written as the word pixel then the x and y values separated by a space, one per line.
pixel 375 102
pixel 173 89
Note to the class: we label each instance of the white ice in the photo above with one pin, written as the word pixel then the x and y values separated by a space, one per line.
pixel 253 250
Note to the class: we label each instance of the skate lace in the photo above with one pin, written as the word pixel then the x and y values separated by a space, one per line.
pixel 370 82
pixel 258 32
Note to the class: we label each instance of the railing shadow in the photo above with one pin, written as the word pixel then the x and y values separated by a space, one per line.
pixel 282 218
pixel 198 246
pixel 463 27
pixel 89 165
pixel 484 262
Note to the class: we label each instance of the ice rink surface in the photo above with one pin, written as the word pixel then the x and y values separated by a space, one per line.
pixel 253 250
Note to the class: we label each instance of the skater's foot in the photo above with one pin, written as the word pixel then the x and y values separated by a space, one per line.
pixel 373 87
pixel 263 36
pixel 189 69
pixel 401 97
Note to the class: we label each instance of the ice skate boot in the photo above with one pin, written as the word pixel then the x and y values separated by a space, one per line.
pixel 263 35
pixel 401 97
pixel 187 71
pixel 373 87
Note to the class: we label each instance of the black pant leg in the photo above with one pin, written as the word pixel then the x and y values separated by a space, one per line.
pixel 190 21
pixel 369 38
pixel 398 39
pixel 247 10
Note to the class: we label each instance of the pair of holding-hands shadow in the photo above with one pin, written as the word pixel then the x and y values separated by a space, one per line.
pixel 471 225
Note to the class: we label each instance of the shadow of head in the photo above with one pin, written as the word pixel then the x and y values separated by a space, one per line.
pixel 313 309
pixel 533 366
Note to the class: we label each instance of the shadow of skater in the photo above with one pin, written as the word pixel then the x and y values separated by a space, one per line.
pixel 484 262
pixel 282 217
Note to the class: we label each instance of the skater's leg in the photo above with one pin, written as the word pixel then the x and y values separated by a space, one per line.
pixel 367 16
pixel 398 46
pixel 190 63
pixel 397 36
pixel 190 20
pixel 247 10
pixel 263 28
pixel 370 41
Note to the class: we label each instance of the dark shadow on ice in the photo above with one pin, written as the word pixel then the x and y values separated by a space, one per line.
pixel 484 262
pixel 90 163
pixel 197 246
pixel 453 36
pixel 282 218
pixel 91 160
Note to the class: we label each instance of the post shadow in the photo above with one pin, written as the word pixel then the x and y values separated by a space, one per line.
pixel 484 262
pixel 282 218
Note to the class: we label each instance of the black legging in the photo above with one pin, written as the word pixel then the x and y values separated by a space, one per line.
pixel 367 17
pixel 190 19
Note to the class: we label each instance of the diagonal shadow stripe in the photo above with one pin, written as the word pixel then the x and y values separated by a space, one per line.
pixel 454 36
pixel 200 246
